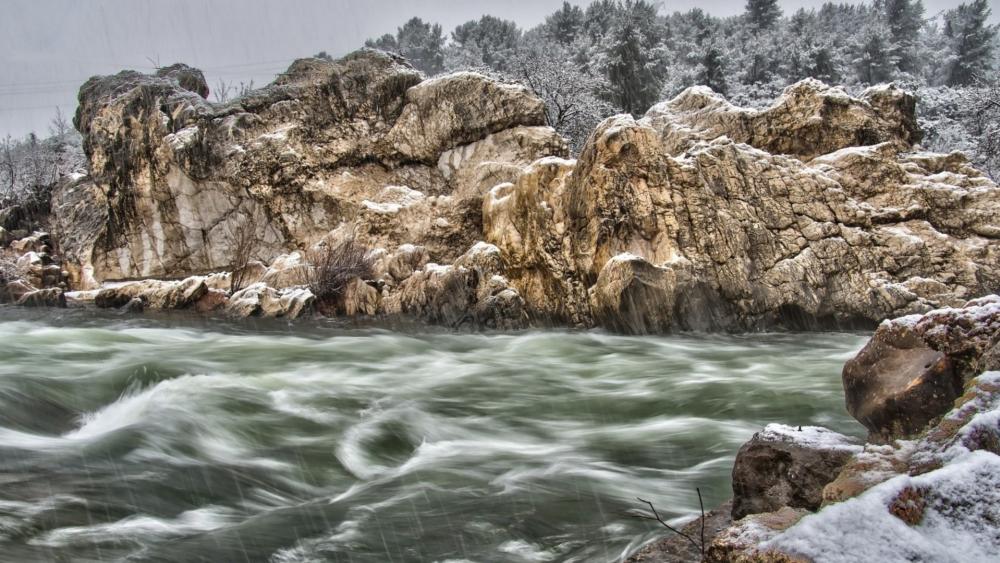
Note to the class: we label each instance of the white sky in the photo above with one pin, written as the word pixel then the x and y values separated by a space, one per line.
pixel 48 48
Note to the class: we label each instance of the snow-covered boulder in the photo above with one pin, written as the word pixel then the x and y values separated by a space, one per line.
pixel 787 466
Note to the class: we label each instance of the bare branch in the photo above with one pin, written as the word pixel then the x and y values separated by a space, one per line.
pixel 656 517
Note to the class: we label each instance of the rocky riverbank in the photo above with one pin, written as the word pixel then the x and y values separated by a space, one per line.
pixel 924 487
pixel 820 211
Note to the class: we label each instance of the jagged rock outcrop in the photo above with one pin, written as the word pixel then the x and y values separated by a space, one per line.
pixel 354 142
pixel 750 219
pixel 817 211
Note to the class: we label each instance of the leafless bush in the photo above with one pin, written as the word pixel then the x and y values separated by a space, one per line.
pixel 698 544
pixel 242 239
pixel 226 91
pixel 334 266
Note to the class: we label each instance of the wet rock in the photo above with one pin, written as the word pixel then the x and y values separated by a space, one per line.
pixel 914 368
pixel 358 298
pixel 259 300
pixel 16 289
pixel 784 466
pixel 214 299
pixel 676 548
pixel 51 297
pixel 155 294
pixel 134 306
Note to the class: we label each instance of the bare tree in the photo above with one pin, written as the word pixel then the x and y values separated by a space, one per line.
pixel 984 104
pixel 227 91
pixel 335 266
pixel 222 91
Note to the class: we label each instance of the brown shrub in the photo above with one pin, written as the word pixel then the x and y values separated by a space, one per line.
pixel 334 266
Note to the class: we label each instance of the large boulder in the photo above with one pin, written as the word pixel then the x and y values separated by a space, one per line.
pixel 787 466
pixel 808 120
pixel 914 368
pixel 259 300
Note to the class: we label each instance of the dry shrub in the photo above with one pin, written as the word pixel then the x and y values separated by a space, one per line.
pixel 242 238
pixel 334 266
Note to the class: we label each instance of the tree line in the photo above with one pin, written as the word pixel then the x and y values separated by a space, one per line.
pixel 625 55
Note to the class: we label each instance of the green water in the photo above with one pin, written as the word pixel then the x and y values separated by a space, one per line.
pixel 182 440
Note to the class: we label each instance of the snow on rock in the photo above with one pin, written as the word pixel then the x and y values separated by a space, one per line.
pixel 947 515
pixel 785 466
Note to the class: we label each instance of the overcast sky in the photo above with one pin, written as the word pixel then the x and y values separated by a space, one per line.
pixel 49 47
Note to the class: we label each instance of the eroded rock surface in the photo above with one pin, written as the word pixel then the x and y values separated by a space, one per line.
pixel 364 140
pixel 819 211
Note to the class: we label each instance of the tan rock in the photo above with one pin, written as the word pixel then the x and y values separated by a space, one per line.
pixel 259 300
pixel 155 294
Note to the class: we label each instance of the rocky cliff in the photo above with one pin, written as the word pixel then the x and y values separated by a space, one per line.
pixel 705 216
pixel 820 210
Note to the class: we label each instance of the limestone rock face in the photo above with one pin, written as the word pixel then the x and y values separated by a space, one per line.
pixel 820 211
pixel 823 214
pixel 189 78
pixel 914 368
pixel 784 466
pixel 363 144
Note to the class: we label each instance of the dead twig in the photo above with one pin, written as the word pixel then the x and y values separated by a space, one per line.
pixel 655 516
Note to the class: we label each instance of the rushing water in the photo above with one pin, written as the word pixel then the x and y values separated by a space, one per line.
pixel 185 440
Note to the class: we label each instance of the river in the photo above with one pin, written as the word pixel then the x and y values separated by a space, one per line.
pixel 183 439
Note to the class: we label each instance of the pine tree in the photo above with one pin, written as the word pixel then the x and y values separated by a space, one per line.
pixel 420 42
pixel 629 57
pixel 713 71
pixel 873 61
pixel 763 14
pixel 904 19
pixel 494 38
pixel 823 66
pixel 565 24
pixel 972 42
